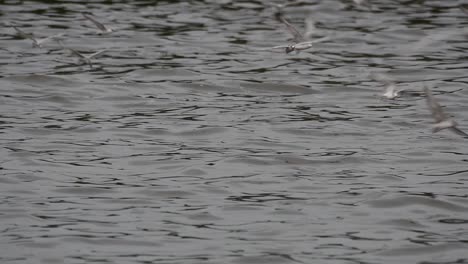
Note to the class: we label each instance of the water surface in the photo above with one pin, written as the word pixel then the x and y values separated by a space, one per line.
pixel 184 144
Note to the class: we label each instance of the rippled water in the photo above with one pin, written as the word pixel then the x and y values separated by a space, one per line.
pixel 185 144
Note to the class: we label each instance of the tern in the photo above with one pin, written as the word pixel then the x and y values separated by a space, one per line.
pixel 391 91
pixel 98 24
pixel 82 57
pixel 37 43
pixel 300 41
pixel 442 120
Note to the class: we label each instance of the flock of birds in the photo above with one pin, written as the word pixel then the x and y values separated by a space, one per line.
pixel 300 42
pixel 83 58
pixel 303 41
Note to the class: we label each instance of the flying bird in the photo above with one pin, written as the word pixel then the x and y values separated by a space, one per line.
pixel 86 59
pixel 37 43
pixel 300 41
pixel 391 91
pixel 104 29
pixel 442 121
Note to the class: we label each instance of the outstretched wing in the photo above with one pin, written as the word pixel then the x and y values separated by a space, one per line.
pixel 464 9
pixel 458 131
pixel 390 87
pixel 297 36
pixel 97 23
pixel 96 53
pixel 56 36
pixel 310 28
pixel 436 110
pixel 76 53
pixel 326 38
pixel 273 48
pixel 23 34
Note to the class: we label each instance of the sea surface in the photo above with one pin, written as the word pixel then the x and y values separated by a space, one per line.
pixel 187 142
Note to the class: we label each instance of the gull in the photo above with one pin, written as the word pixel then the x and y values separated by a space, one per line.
pixel 441 119
pixel 98 24
pixel 300 41
pixel 37 43
pixel 82 57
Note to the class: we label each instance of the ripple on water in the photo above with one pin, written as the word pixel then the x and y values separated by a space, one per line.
pixel 185 144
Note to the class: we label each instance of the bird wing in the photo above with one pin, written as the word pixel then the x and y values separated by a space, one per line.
pixel 49 38
pixel 97 23
pixel 77 54
pixel 96 53
pixel 317 40
pixel 74 52
pixel 310 27
pixel 464 9
pixel 458 131
pixel 297 36
pixel 390 87
pixel 23 34
pixel 275 47
pixel 436 110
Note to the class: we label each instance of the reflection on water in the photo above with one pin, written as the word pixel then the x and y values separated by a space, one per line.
pixel 186 144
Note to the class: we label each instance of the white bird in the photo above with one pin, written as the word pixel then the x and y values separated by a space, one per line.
pixel 98 24
pixel 37 43
pixel 82 57
pixel 441 119
pixel 391 91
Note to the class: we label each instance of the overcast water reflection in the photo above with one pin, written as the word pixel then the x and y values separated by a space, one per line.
pixel 185 140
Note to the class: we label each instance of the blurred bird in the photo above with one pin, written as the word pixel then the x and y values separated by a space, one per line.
pixel 82 57
pixel 104 29
pixel 441 119
pixel 310 27
pixel 300 41
pixel 391 91
pixel 36 43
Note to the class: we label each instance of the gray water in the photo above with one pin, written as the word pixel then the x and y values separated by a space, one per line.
pixel 185 144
